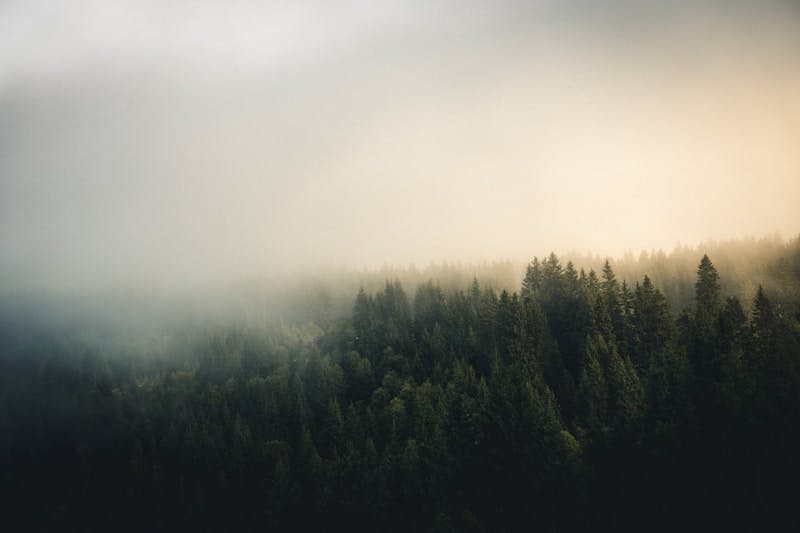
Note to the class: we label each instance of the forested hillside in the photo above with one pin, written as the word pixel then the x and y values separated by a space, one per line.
pixel 577 401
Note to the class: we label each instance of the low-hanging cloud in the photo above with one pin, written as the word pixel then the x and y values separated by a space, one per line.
pixel 181 141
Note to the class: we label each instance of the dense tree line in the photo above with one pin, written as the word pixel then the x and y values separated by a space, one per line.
pixel 577 402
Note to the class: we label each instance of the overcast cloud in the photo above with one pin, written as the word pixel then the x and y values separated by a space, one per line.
pixel 197 140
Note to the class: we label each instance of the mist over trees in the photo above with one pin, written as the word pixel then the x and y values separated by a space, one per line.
pixel 583 394
pixel 376 265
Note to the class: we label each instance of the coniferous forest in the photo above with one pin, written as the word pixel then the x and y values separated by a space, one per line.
pixel 399 266
pixel 578 401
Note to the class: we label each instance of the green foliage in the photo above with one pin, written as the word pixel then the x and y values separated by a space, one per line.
pixel 577 403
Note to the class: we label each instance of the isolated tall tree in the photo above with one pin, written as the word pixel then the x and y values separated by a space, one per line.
pixel 707 295
pixel 704 348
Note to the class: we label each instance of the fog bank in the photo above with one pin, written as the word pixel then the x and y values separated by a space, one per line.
pixel 187 142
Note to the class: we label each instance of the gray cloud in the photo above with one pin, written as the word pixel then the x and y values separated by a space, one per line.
pixel 190 141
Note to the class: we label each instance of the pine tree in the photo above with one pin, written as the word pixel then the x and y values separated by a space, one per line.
pixel 593 393
pixel 707 295
pixel 653 327
pixel 705 349
pixel 532 281
pixel 363 326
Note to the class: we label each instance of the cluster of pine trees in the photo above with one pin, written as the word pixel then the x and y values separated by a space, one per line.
pixel 577 403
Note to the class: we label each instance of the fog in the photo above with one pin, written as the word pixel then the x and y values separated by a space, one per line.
pixel 183 142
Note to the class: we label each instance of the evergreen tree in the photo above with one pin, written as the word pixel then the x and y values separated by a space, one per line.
pixel 593 394
pixel 707 295
pixel 654 330
pixel 532 281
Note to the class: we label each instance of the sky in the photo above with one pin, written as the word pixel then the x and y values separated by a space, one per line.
pixel 194 141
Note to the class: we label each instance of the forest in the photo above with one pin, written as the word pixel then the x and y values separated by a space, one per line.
pixel 630 395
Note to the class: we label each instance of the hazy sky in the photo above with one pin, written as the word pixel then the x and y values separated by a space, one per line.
pixel 200 140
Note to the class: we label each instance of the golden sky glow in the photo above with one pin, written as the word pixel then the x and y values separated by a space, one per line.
pixel 178 140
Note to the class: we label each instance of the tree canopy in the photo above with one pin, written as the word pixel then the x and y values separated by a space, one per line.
pixel 576 403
